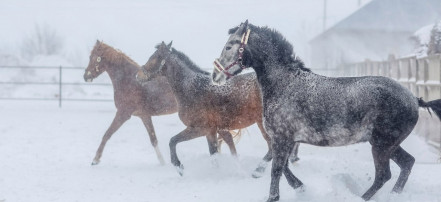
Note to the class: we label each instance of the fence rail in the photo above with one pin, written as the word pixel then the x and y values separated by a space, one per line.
pixel 59 83
pixel 422 76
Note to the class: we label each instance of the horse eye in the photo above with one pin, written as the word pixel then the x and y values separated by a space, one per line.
pixel 228 48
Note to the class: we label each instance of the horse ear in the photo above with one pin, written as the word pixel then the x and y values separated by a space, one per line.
pixel 169 45
pixel 245 24
pixel 243 27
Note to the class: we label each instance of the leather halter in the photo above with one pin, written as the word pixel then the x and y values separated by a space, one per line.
pixel 243 43
pixel 160 65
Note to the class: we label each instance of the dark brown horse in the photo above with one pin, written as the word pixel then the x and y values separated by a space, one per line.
pixel 202 106
pixel 132 98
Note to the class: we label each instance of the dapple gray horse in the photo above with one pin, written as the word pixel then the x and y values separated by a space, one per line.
pixel 300 106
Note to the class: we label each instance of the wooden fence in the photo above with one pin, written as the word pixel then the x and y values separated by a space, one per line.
pixel 422 76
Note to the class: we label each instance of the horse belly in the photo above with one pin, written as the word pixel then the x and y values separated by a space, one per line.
pixel 337 135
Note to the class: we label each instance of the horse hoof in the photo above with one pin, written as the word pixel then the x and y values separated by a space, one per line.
pixel 273 198
pixel 95 162
pixel 293 160
pixel 258 173
pixel 180 169
pixel 260 170
pixel 214 162
pixel 300 189
pixel 161 162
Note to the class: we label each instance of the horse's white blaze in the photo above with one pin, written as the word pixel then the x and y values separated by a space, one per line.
pixel 98 59
pixel 97 69
pixel 89 73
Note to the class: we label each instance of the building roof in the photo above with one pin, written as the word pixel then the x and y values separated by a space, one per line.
pixel 389 15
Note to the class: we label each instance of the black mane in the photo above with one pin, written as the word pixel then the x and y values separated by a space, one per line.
pixel 284 48
pixel 190 63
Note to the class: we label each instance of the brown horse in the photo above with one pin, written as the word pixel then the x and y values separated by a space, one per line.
pixel 202 106
pixel 153 98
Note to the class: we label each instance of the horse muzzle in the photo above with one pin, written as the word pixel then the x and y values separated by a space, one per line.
pixel 88 76
pixel 141 77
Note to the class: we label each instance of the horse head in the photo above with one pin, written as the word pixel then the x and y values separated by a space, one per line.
pixel 231 62
pixel 154 66
pixel 97 62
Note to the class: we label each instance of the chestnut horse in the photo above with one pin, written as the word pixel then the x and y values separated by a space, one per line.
pixel 153 98
pixel 202 106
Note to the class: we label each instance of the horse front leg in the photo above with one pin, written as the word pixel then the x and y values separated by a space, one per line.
pixel 187 134
pixel 228 138
pixel 213 146
pixel 281 148
pixel 120 118
pixel 258 172
pixel 147 120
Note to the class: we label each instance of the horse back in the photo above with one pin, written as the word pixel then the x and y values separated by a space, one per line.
pixel 341 111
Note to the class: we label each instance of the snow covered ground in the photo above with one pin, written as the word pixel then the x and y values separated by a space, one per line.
pixel 45 151
pixel 45 155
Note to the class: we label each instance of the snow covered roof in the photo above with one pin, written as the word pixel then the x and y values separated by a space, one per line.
pixel 389 15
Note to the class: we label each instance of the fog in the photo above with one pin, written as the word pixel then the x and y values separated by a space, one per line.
pixel 197 27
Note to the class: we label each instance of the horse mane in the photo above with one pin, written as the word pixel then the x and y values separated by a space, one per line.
pixel 284 48
pixel 111 54
pixel 189 63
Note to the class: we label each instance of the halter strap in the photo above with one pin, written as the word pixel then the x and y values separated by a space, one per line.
pixel 161 65
pixel 243 42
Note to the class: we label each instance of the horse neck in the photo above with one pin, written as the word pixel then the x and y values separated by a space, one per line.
pixel 273 78
pixel 178 72
pixel 121 73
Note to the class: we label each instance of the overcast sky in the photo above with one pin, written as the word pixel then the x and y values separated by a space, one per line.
pixel 198 27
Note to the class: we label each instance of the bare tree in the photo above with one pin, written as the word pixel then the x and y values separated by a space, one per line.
pixel 435 39
pixel 42 41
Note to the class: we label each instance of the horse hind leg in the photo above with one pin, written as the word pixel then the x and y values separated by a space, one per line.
pixel 405 161
pixel 382 169
pixel 147 120
pixel 290 177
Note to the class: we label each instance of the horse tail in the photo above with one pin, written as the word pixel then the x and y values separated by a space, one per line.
pixel 236 135
pixel 434 105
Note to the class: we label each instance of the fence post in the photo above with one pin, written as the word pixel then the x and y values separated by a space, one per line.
pixel 60 87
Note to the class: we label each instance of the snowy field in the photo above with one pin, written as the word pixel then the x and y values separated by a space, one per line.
pixel 46 153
